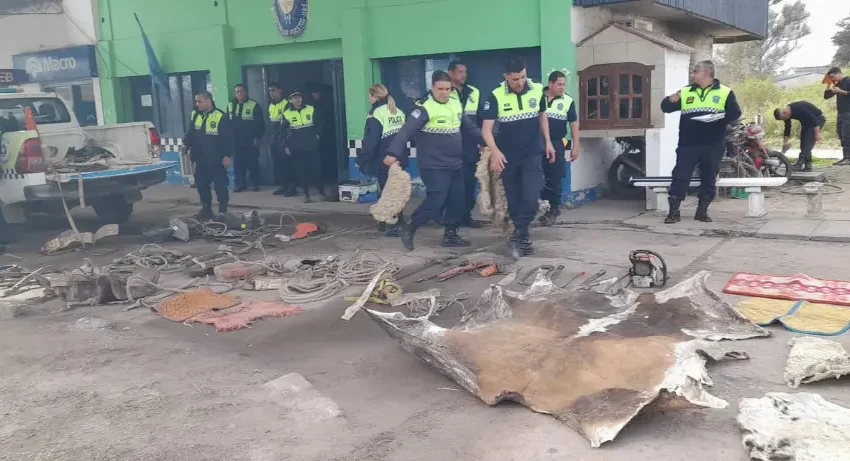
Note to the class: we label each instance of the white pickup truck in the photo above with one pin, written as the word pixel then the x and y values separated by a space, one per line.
pixel 105 167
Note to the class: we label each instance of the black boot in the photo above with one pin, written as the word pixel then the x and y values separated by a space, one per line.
pixel 307 198
pixel 674 215
pixel 702 212
pixel 407 232
pixel 280 191
pixel 382 227
pixel 842 162
pixel 391 230
pixel 550 218
pixel 239 189
pixel 452 240
pixel 206 213
pixel 524 244
pixel 290 191
pixel 807 167
pixel 513 243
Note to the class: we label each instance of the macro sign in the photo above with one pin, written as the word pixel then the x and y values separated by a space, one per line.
pixel 64 64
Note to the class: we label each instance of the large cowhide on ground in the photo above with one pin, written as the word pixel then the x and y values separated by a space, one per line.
pixel 592 361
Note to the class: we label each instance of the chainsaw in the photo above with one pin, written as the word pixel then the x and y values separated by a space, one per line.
pixel 648 269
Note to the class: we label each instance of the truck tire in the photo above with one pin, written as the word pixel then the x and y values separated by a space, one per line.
pixel 113 209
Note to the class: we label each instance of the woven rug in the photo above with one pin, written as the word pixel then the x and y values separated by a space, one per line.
pixel 798 316
pixel 243 315
pixel 793 287
pixel 186 305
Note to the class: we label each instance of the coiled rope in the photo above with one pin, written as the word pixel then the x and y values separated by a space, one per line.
pixel 327 278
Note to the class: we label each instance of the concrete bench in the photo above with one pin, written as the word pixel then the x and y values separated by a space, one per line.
pixel 753 186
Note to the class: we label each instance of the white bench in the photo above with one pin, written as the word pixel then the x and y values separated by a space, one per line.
pixel 753 186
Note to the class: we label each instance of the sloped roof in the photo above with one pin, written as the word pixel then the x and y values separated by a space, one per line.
pixel 658 39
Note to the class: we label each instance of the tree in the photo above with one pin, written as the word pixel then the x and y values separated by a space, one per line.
pixel 841 39
pixel 787 23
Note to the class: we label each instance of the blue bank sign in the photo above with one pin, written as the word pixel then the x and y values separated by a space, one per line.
pixel 58 65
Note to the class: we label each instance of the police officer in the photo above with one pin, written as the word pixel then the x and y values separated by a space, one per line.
pixel 210 144
pixel 249 125
pixel 301 143
pixel 383 123
pixel 701 142
pixel 811 122
pixel 437 123
pixel 561 112
pixel 839 87
pixel 470 100
pixel 518 104
pixel 284 168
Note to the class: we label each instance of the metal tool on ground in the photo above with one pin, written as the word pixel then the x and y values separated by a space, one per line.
pixel 593 278
pixel 556 273
pixel 435 275
pixel 573 279
pixel 527 280
pixel 509 279
pixel 648 269
pixel 471 267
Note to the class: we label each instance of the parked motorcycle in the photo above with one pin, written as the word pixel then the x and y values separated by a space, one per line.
pixel 630 164
pixel 745 143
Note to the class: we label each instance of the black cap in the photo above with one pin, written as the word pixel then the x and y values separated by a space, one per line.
pixel 294 93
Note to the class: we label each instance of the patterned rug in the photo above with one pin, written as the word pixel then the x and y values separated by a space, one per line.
pixel 243 315
pixel 798 316
pixel 794 287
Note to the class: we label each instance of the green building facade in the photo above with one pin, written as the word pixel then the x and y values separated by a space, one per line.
pixel 346 46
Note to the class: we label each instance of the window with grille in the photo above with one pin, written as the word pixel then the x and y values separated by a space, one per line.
pixel 615 96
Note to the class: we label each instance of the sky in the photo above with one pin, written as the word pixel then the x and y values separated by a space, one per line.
pixel 817 48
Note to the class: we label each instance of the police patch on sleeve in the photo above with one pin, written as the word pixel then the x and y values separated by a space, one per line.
pixel 487 105
pixel 416 113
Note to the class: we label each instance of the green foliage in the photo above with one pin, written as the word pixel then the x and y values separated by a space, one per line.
pixel 759 96
pixel 841 39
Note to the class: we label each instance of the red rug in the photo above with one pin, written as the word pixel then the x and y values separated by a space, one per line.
pixel 793 287
pixel 243 315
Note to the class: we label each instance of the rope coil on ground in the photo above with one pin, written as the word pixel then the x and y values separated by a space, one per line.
pixel 327 278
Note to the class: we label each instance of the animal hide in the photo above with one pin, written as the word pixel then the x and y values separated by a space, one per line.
pixel 815 359
pixel 492 200
pixel 794 427
pixel 592 360
pixel 394 197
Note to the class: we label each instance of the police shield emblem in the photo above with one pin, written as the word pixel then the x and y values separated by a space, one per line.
pixel 716 99
pixel 532 103
pixel 290 16
pixel 213 125
pixel 309 117
pixel 561 106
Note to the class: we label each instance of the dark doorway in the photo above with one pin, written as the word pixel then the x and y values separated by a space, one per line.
pixel 322 86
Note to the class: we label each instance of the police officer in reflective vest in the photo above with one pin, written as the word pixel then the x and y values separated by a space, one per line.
pixel 519 106
pixel 249 125
pixel 383 123
pixel 284 169
pixel 301 143
pixel 563 125
pixel 210 144
pixel 437 122
pixel 707 109
pixel 470 99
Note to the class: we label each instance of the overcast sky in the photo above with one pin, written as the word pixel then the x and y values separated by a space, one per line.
pixel 817 48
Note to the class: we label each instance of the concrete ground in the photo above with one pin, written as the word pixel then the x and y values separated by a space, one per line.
pixel 145 388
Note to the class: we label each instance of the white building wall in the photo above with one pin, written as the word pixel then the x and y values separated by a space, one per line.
pixel 596 155
pixel 72 23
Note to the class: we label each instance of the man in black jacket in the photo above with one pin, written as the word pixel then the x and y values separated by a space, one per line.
pixel 210 144
pixel 811 122
pixel 840 88
pixel 248 125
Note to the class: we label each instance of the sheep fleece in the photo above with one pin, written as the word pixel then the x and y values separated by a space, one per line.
pixel 394 197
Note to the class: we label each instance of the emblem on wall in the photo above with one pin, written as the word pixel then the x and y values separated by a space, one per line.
pixel 290 16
